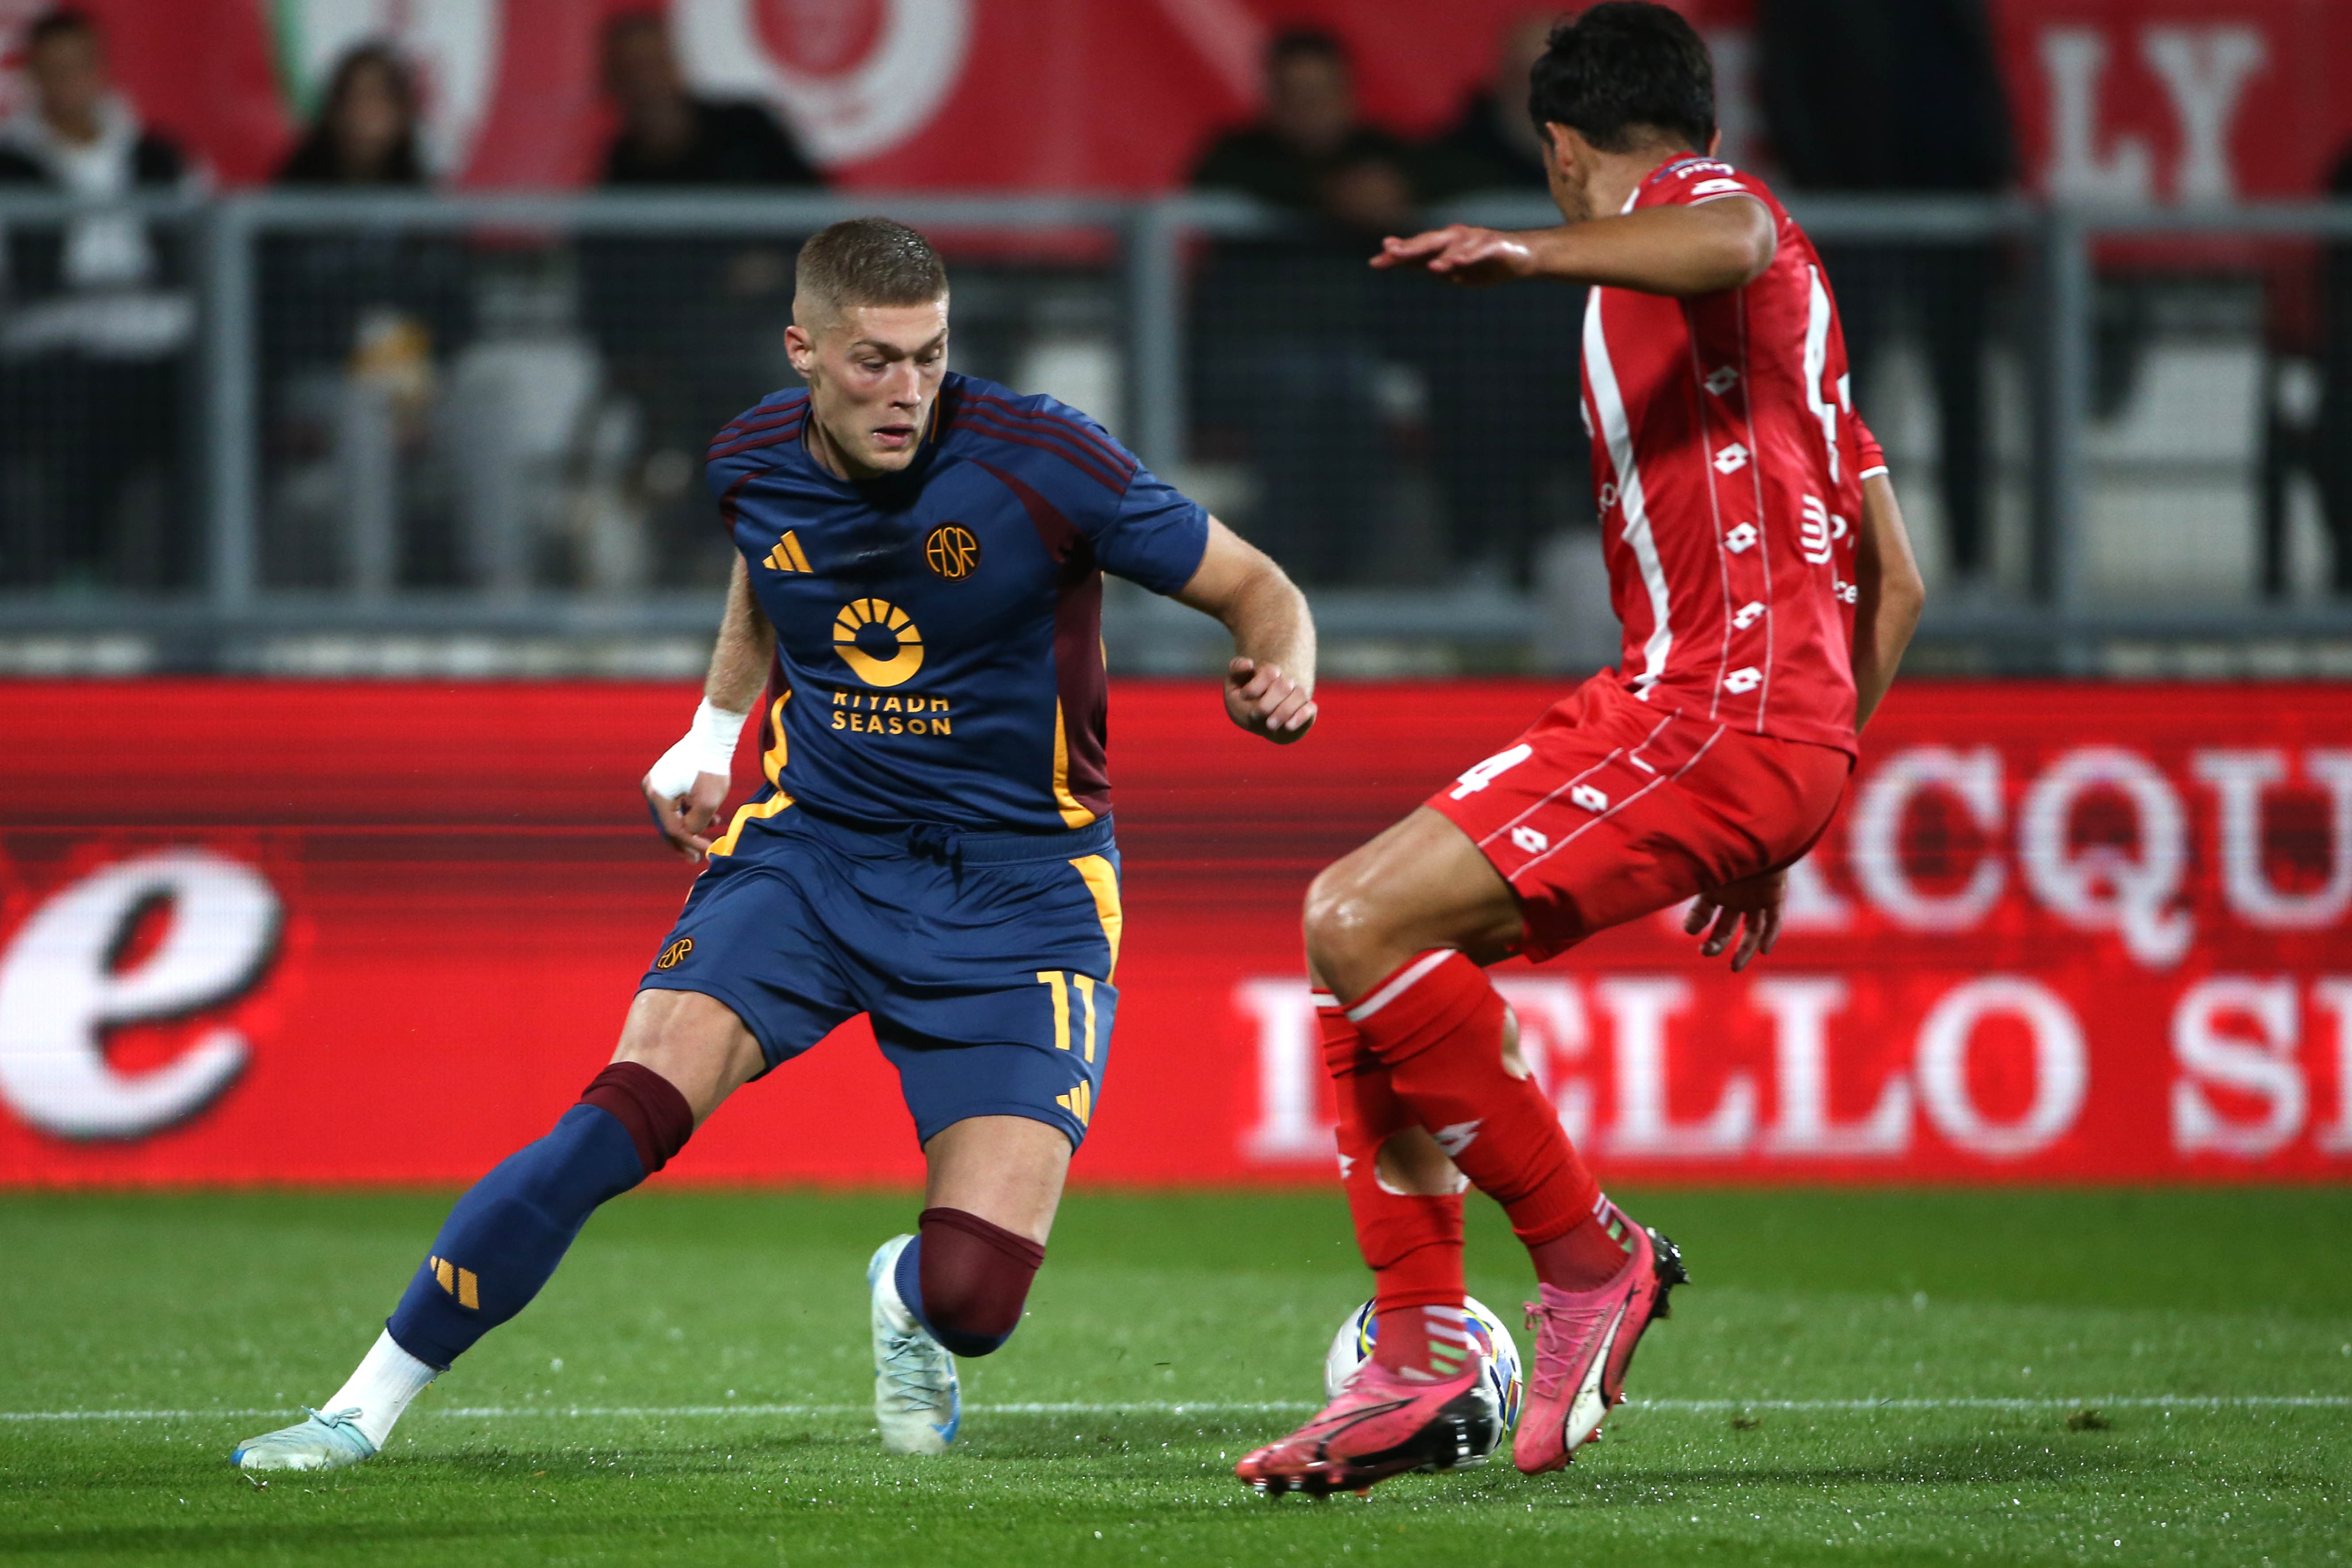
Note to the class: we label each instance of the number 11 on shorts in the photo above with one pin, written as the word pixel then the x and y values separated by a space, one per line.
pixel 1061 983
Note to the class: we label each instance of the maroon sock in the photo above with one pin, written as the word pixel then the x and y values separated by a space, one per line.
pixel 658 1119
pixel 1587 1257
pixel 973 1277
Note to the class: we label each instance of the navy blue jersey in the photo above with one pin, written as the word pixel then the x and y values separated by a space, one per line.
pixel 938 631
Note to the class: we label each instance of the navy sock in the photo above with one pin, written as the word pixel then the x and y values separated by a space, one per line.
pixel 503 1240
pixel 907 1276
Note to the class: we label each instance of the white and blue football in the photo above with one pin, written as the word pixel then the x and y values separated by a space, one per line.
pixel 1498 1354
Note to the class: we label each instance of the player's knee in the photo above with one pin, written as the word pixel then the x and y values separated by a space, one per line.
pixel 1340 923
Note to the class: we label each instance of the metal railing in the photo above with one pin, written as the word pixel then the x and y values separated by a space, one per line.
pixel 1144 260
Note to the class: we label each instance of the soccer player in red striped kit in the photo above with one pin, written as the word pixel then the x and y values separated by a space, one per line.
pixel 1759 562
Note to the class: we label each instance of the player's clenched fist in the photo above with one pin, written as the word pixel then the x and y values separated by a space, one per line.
pixel 1460 253
pixel 688 785
pixel 1264 701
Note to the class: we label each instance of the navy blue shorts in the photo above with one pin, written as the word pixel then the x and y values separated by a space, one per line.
pixel 985 960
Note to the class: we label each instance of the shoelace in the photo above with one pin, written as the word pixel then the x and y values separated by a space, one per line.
pixel 914 1380
pixel 345 1420
pixel 1555 1331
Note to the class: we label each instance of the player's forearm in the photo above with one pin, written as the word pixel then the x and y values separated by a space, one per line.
pixel 746 648
pixel 1889 597
pixel 1272 624
pixel 1677 250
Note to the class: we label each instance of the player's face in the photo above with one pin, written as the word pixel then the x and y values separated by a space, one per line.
pixel 873 375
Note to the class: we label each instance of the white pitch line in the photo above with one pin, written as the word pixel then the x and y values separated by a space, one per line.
pixel 1254 1407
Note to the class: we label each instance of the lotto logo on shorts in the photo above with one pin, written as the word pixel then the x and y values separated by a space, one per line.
pixel 675 953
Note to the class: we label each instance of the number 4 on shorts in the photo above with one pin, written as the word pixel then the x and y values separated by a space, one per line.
pixel 1490 769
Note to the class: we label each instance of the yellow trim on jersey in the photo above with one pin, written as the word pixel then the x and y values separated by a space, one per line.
pixel 773 764
pixel 1073 814
pixel 1103 883
pixel 759 811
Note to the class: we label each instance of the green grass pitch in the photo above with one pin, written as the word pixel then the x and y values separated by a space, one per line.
pixel 2060 1377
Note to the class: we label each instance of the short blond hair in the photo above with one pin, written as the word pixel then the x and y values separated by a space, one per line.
pixel 864 261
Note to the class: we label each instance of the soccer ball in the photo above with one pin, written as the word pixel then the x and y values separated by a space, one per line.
pixel 1498 1356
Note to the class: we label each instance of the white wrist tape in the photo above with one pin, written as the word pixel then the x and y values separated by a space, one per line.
pixel 709 748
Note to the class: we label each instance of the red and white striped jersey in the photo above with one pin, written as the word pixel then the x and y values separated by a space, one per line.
pixel 1728 465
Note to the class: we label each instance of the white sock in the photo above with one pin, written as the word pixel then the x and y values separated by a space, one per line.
pixel 380 1386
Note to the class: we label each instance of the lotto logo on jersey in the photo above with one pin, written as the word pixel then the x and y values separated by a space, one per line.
pixel 877 640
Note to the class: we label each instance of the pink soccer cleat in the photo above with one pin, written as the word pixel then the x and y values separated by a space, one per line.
pixel 1584 1342
pixel 1383 1424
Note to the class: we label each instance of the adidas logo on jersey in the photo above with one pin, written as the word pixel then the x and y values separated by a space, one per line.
pixel 788 556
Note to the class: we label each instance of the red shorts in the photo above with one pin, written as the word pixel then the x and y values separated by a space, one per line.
pixel 1607 810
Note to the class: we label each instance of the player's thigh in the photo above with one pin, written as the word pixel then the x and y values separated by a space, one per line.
pixel 693 1040
pixel 1008 1170
pixel 1009 1011
pixel 746 980
pixel 1421 884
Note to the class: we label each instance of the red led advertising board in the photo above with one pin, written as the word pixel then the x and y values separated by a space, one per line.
pixel 294 933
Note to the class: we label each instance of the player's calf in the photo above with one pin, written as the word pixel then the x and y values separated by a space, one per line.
pixel 498 1247
pixel 955 1288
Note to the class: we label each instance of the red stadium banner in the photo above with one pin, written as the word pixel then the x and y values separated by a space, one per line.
pixel 2165 101
pixel 256 932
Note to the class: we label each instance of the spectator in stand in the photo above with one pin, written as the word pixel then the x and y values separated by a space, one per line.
pixel 1862 96
pixel 1288 355
pixel 1501 363
pixel 1310 152
pixel 691 331
pixel 90 400
pixel 366 131
pixel 353 321
pixel 1492 145
pixel 670 137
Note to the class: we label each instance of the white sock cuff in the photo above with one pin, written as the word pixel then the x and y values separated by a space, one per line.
pixel 381 1387
pixel 1399 984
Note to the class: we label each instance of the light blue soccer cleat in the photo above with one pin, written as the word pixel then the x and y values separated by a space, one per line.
pixel 328 1441
pixel 917 1402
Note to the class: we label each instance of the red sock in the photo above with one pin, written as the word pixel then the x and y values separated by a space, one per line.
pixel 1587 1256
pixel 1414 1243
pixel 1438 1025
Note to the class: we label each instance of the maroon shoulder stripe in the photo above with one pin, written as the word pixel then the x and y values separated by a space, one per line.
pixel 764 438
pixel 746 424
pixel 980 423
pixel 1071 428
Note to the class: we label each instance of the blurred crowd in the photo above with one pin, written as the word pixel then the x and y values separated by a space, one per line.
pixel 422 392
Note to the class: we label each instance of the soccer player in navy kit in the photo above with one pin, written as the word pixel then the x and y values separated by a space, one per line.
pixel 920 589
